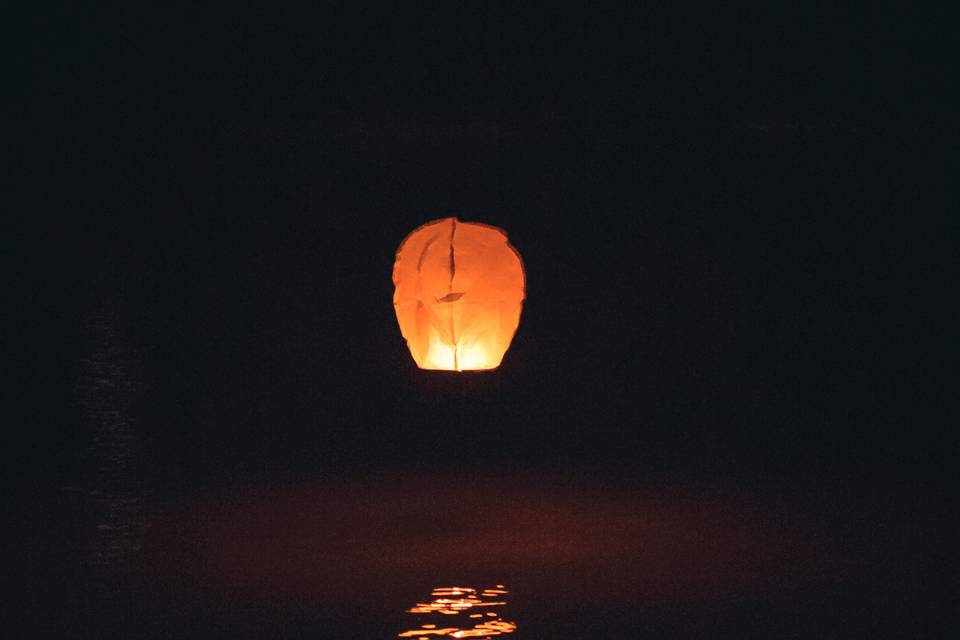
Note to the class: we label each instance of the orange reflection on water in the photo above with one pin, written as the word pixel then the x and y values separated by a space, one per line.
pixel 459 602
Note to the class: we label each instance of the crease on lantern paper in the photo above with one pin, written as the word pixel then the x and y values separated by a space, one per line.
pixel 453 273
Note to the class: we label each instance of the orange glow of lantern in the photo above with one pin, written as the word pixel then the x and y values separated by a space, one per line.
pixel 459 293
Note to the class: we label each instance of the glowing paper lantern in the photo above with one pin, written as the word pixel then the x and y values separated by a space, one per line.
pixel 459 293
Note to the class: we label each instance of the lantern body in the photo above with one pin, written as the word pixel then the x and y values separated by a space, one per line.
pixel 458 296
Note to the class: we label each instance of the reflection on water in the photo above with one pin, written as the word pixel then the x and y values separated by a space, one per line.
pixel 461 612
pixel 110 492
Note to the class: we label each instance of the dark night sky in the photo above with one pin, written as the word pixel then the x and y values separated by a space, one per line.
pixel 732 223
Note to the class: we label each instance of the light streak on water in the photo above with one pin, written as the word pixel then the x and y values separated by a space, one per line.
pixel 110 489
pixel 458 612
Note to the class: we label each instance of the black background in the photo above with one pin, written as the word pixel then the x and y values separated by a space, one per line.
pixel 732 224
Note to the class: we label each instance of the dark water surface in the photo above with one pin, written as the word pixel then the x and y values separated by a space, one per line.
pixel 422 548
pixel 381 553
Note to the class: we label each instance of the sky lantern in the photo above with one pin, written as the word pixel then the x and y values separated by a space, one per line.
pixel 459 293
